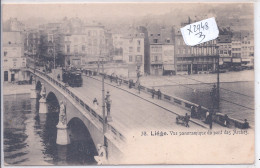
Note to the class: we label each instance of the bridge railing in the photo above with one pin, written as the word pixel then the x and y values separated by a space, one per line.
pixel 218 117
pixel 86 107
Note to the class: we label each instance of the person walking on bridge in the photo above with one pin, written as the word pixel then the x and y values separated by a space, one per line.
pixel 159 94
pixel 95 103
pixel 153 92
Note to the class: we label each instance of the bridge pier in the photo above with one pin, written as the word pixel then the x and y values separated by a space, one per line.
pixel 63 137
pixel 43 109
pixel 33 90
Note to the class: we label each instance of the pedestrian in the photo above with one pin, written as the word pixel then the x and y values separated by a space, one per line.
pixel 159 94
pixel 95 103
pixel 120 82
pixel 30 81
pixel 210 120
pixel 58 76
pixel 207 117
pixel 129 83
pixel 199 112
pixel 139 88
pixel 116 79
pixel 111 78
pixel 245 124
pixel 153 92
pixel 226 120
pixel 186 120
pixel 193 112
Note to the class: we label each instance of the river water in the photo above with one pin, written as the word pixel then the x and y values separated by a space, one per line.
pixel 30 137
pixel 236 98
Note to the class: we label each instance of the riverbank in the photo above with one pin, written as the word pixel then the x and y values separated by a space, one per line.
pixel 11 89
pixel 228 77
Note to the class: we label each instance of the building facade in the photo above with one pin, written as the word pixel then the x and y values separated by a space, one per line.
pixel 161 51
pixel 133 53
pixel 225 50
pixel 247 50
pixel 14 60
pixel 197 59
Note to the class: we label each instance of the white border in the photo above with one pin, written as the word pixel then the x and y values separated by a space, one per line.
pixel 257 78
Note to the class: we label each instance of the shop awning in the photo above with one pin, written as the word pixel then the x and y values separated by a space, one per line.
pixel 168 67
pixel 236 60
pixel 226 59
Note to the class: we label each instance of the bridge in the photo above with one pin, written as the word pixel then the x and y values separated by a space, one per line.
pixel 132 112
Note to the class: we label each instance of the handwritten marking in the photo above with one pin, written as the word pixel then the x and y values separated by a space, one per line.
pixel 200 32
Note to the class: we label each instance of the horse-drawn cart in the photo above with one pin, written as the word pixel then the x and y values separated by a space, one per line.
pixel 184 120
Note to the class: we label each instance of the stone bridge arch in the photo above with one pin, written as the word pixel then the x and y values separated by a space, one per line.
pixel 75 112
pixel 52 102
pixel 81 139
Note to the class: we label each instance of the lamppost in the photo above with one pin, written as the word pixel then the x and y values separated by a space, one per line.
pixel 103 102
pixel 218 87
pixel 54 66
pixel 138 74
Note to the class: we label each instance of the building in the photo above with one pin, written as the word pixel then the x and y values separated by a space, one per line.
pixel 236 48
pixel 85 43
pixel 133 53
pixel 118 45
pixel 247 50
pixel 161 51
pixel 197 59
pixel 14 60
pixel 225 47
pixel 13 24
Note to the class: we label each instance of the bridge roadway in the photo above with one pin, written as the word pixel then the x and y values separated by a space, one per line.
pixel 132 111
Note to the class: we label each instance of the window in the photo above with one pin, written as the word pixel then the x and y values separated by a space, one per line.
pixel 138 42
pixel 158 34
pixel 83 48
pixel 68 48
pixel 130 58
pixel 95 42
pixel 89 42
pixel 151 35
pixel 155 58
pixel 75 49
pixel 168 41
pixel 138 49
pixel 138 58
pixel 75 39
pixel 5 53
pixel 94 33
pixel 155 40
pixel 9 42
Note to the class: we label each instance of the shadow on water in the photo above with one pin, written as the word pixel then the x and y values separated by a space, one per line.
pixel 21 115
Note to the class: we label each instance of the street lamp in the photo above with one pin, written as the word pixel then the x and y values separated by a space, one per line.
pixel 218 87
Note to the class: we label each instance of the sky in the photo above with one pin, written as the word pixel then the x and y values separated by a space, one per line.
pixel 105 10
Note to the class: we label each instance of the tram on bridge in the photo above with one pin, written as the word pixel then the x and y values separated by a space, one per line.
pixel 72 77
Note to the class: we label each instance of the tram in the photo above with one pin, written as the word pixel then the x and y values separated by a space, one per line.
pixel 72 77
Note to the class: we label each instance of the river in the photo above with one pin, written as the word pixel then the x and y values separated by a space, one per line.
pixel 236 98
pixel 30 137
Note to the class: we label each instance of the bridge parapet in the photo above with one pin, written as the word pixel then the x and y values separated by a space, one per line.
pixel 111 132
pixel 218 117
